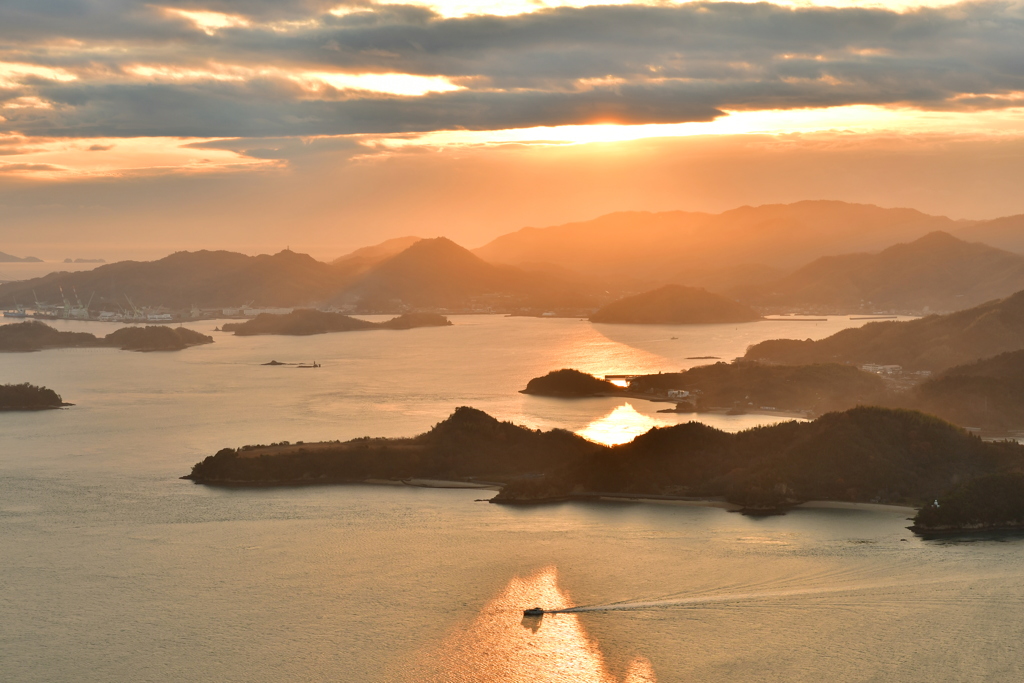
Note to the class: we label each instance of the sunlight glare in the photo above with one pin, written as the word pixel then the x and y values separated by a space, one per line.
pixel 452 9
pixel 858 119
pixel 622 425
pixel 409 85
pixel 502 645
pixel 207 21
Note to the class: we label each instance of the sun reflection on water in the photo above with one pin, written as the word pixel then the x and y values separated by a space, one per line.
pixel 621 425
pixel 501 645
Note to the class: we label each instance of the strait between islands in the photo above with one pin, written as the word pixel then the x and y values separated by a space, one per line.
pixel 863 455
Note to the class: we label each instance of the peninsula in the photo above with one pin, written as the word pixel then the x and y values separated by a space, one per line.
pixel 307 321
pixel 874 455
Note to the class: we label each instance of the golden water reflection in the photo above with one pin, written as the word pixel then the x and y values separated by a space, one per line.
pixel 621 425
pixel 501 645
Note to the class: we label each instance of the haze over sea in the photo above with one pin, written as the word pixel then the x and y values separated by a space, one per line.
pixel 115 570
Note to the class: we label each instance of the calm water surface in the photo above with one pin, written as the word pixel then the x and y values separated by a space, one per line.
pixel 114 570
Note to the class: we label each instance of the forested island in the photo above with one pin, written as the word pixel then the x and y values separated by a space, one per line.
pixel 875 455
pixel 308 321
pixel 37 336
pixel 570 383
pixel 675 304
pixel 29 397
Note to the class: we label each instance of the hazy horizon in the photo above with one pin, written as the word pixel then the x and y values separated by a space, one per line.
pixel 50 253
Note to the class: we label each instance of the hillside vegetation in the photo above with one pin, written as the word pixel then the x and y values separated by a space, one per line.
pixel 817 388
pixel 988 394
pixel 934 343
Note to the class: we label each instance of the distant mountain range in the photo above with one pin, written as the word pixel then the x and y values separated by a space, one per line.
pixel 433 273
pixel 742 250
pixel 936 273
pixel 693 248
pixel 813 256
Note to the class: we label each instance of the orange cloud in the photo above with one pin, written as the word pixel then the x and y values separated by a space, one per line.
pixel 68 159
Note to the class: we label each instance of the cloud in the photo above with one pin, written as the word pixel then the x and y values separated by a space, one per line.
pixel 12 168
pixel 174 75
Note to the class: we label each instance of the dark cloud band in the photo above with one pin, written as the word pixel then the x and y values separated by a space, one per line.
pixel 651 64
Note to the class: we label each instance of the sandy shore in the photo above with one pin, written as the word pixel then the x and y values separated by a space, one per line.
pixel 680 502
pixel 432 484
pixel 841 505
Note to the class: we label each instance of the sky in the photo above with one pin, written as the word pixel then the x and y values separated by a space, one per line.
pixel 132 129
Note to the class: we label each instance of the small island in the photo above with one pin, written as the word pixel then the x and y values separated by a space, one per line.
pixel 675 305
pixel 307 321
pixel 569 383
pixel 29 397
pixel 33 335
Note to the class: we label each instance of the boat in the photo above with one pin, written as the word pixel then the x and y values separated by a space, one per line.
pixel 14 314
pixel 533 612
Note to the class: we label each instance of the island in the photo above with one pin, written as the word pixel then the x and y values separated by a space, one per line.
pixel 29 397
pixel 569 383
pixel 866 454
pixel 307 321
pixel 155 338
pixel 674 305
pixel 33 335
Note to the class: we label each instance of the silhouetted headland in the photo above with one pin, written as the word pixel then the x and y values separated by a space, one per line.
pixel 675 304
pixel 307 321
pixel 29 397
pixel 868 455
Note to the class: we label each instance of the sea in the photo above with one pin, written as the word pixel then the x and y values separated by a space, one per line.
pixel 113 569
